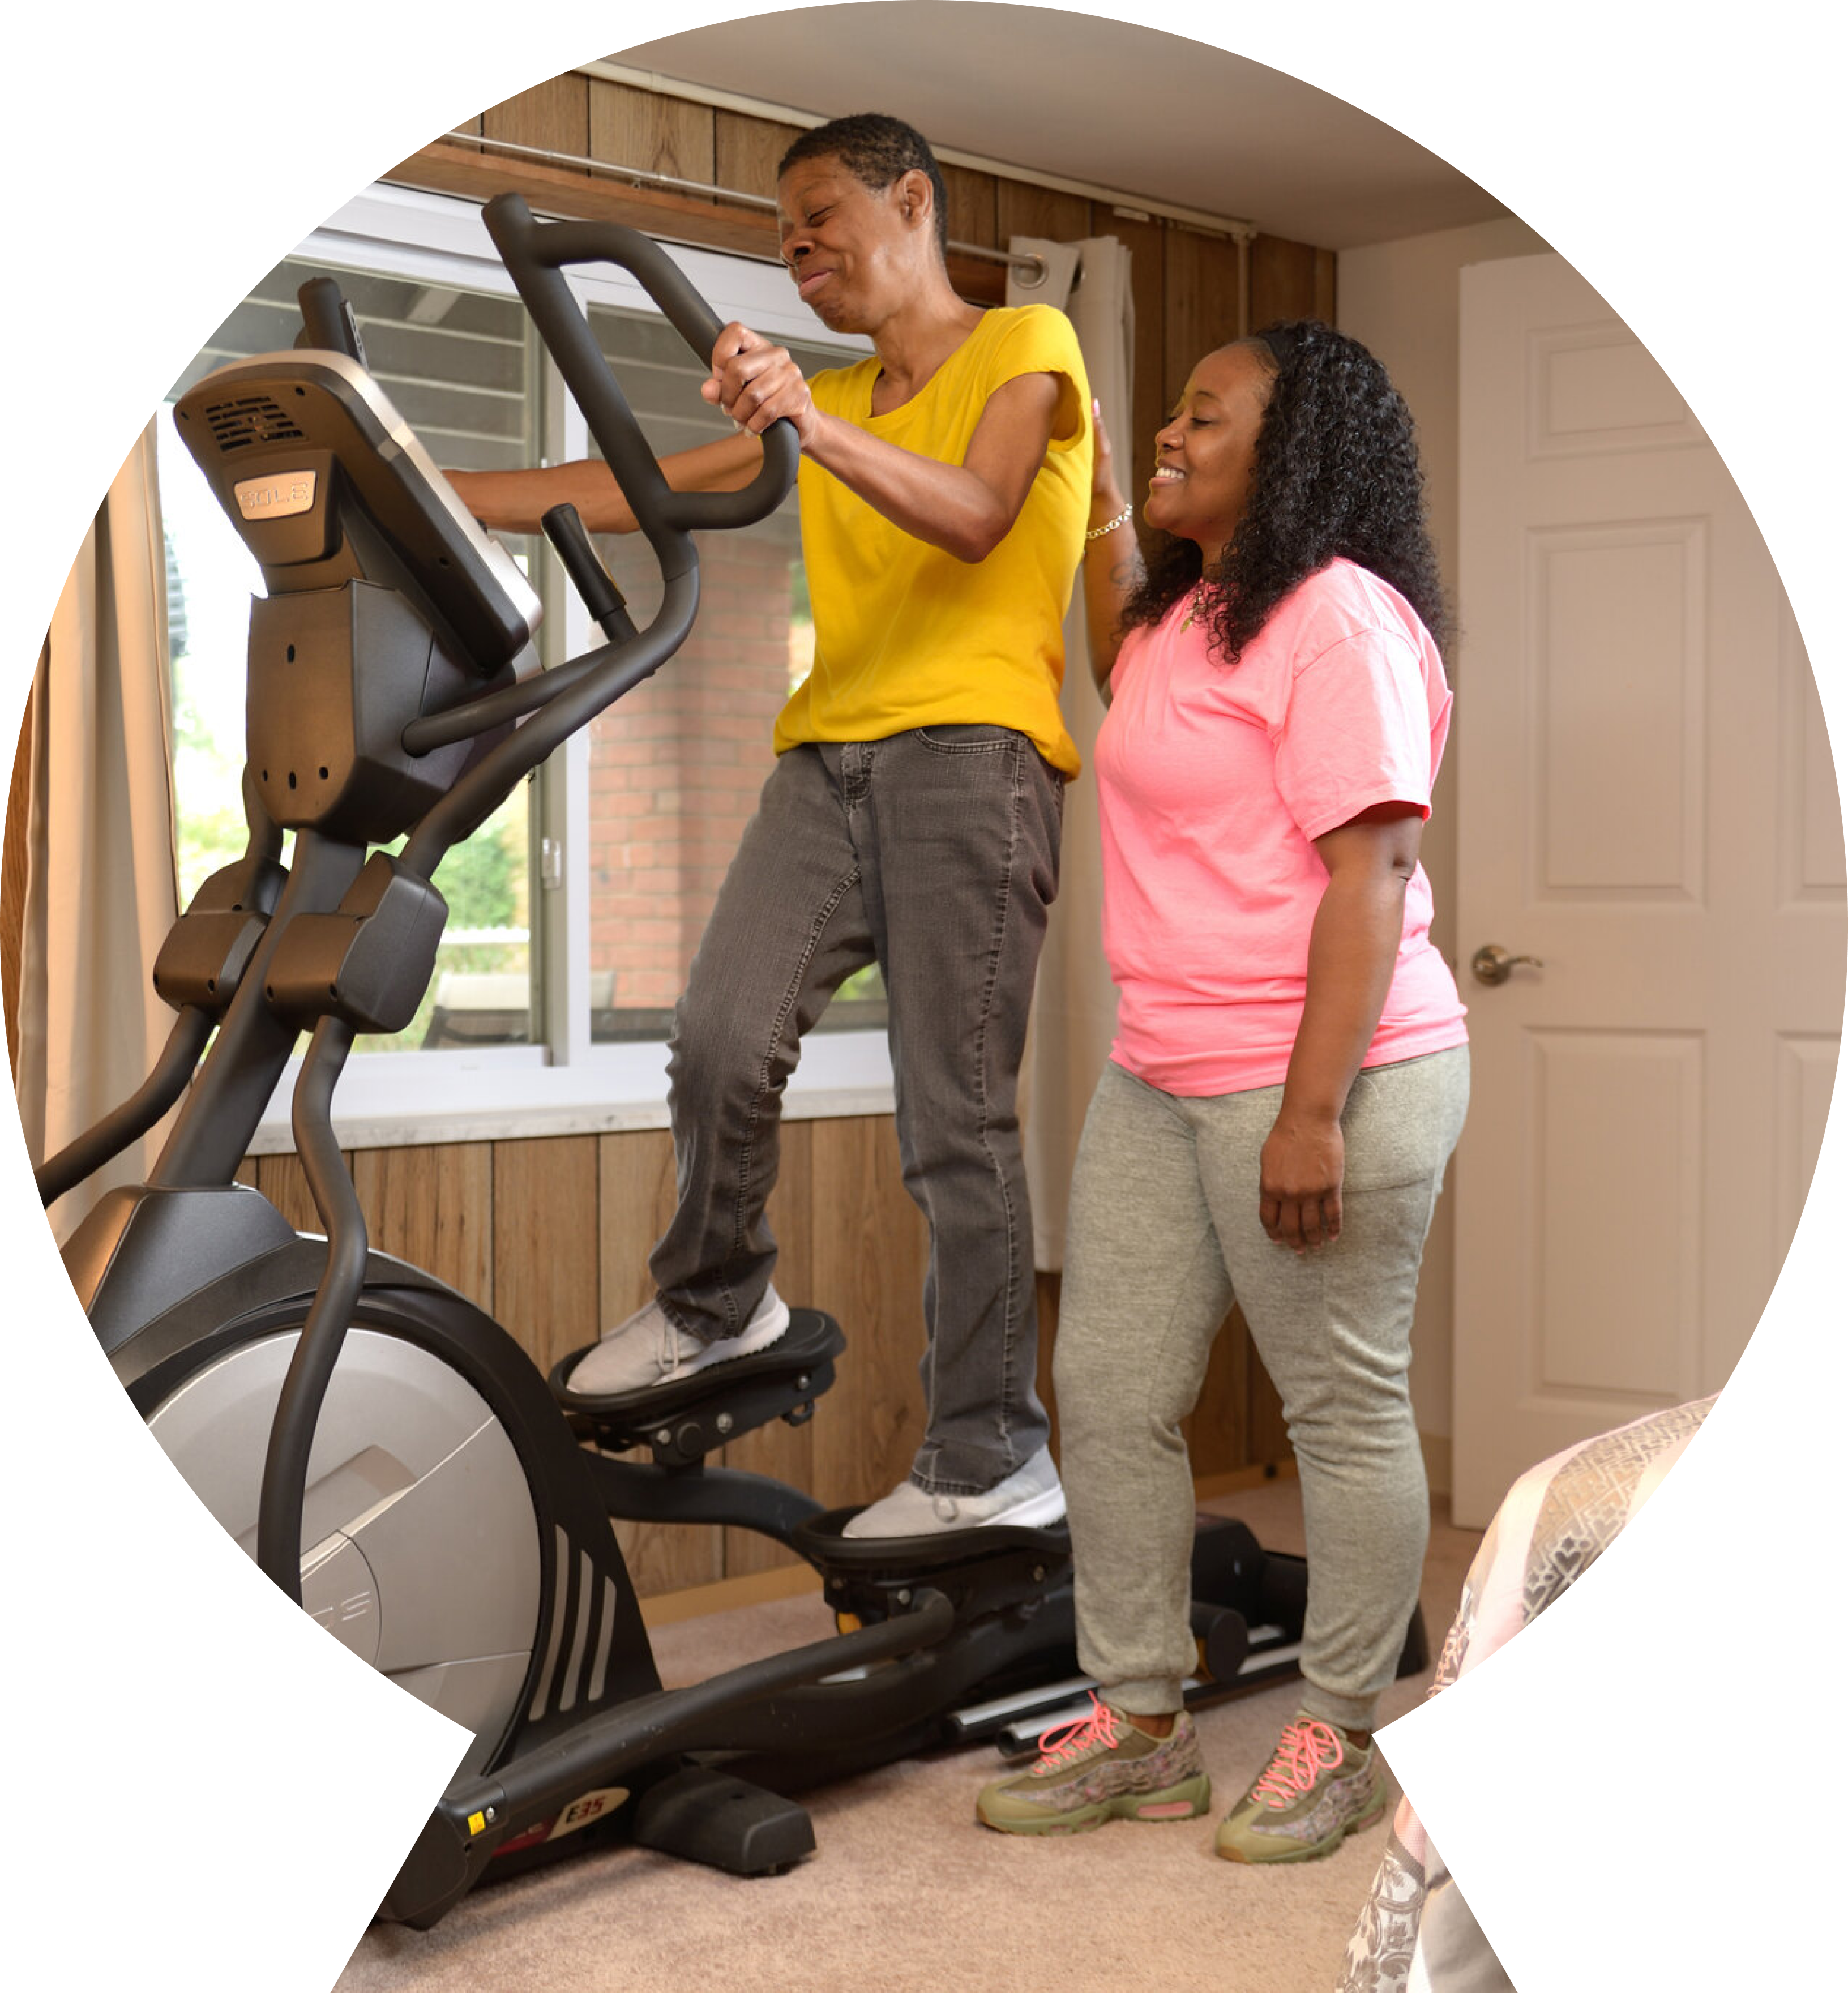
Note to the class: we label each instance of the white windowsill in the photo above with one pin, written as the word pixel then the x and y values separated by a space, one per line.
pixel 391 1100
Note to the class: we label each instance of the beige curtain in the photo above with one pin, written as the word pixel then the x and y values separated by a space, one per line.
pixel 100 891
pixel 1074 1002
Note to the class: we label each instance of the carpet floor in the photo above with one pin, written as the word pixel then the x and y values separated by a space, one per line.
pixel 908 1894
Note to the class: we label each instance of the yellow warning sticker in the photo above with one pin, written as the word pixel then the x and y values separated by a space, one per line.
pixel 476 1822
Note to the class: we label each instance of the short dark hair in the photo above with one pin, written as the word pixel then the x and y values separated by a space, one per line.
pixel 877 150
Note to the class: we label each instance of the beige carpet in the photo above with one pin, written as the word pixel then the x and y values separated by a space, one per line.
pixel 906 1894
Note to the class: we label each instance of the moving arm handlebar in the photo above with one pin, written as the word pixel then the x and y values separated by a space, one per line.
pixel 535 254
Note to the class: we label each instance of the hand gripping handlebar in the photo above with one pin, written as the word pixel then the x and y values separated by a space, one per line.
pixel 567 696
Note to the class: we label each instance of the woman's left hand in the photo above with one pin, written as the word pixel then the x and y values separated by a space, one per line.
pixel 1299 1182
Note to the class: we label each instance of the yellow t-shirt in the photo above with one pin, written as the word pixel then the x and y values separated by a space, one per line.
pixel 906 635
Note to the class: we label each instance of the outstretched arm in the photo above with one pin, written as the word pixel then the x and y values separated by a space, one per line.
pixel 514 501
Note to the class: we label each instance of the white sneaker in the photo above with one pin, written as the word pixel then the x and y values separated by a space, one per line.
pixel 1029 1499
pixel 651 1348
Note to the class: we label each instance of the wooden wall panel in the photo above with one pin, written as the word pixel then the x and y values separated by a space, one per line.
pixel 1200 309
pixel 554 115
pixel 1216 1431
pixel 635 1199
pixel 1021 210
pixel 1290 280
pixel 657 134
pixel 545 1255
pixel 283 1182
pixel 746 150
pixel 1046 1305
pixel 970 213
pixel 868 1258
pixel 434 1207
pixel 1267 1437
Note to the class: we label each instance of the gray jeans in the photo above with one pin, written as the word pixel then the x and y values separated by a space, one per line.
pixel 933 853
pixel 1163 1235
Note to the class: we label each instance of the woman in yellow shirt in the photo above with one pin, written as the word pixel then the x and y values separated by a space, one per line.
pixel 913 816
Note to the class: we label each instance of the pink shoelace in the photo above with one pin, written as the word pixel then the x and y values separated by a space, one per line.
pixel 1303 1756
pixel 1057 1746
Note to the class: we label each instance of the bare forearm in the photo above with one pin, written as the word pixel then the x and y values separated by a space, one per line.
pixel 1353 947
pixel 514 502
pixel 1112 567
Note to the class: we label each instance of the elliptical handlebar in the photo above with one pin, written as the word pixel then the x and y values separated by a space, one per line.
pixel 535 254
pixel 328 324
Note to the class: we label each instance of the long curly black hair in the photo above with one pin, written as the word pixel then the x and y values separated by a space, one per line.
pixel 1336 474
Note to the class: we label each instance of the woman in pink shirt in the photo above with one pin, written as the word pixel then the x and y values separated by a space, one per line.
pixel 1289 1075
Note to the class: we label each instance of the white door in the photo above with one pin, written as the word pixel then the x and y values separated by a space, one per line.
pixel 1646 804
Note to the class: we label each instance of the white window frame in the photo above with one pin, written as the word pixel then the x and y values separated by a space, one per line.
pixel 567 1085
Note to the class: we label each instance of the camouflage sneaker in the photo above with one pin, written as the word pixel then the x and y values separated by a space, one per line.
pixel 1100 1767
pixel 1319 1788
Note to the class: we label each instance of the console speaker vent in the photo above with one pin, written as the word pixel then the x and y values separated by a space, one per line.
pixel 251 418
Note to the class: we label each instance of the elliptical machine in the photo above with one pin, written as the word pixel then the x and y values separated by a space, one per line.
pixel 387 1454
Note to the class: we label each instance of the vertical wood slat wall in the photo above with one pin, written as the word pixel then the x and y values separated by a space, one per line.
pixel 552 1236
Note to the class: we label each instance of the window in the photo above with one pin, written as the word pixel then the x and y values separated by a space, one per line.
pixel 575 910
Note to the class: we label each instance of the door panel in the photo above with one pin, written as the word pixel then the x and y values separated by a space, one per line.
pixel 1647 805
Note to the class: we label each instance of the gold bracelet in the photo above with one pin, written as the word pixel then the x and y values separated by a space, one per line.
pixel 1110 525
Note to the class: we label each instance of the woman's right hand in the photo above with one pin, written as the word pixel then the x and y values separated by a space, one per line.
pixel 1106 499
pixel 757 383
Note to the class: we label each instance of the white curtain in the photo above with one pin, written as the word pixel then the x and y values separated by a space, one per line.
pixel 100 890
pixel 1074 1002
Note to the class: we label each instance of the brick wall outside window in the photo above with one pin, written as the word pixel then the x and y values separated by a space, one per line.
pixel 676 767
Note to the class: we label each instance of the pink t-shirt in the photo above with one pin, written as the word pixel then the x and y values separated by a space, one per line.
pixel 1212 782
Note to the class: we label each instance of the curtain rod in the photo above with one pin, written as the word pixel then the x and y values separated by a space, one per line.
pixel 1032 268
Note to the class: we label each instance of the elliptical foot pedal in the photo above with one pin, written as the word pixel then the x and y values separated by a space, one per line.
pixel 985 1569
pixel 683 1421
pixel 702 1815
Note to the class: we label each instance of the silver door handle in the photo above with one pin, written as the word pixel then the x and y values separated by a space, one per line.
pixel 1492 964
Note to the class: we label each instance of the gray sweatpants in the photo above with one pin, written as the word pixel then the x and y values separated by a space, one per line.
pixel 1164 1235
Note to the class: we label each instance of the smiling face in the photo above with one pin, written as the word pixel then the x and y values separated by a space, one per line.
pixel 1204 455
pixel 854 250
